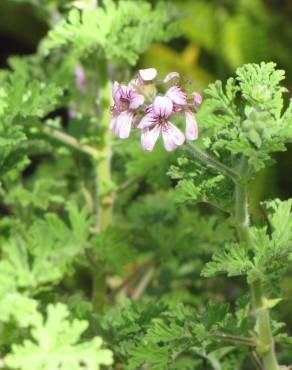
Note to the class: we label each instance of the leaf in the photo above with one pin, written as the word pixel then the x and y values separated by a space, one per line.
pixel 56 345
pixel 149 354
pixel 44 193
pixel 163 332
pixel 246 116
pixel 233 261
pixel 15 306
pixel 281 222
pixel 48 249
pixel 21 97
pixel 271 249
pixel 260 86
pixel 18 308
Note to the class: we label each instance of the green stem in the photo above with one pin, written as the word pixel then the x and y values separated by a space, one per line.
pixel 98 288
pixel 70 141
pixel 264 340
pixel 205 158
pixel 266 344
pixel 103 178
pixel 235 339
pixel 255 359
pixel 241 214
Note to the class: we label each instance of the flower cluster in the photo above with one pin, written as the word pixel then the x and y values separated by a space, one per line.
pixel 139 105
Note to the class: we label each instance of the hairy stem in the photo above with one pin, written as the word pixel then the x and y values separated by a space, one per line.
pixel 266 345
pixel 103 177
pixel 205 158
pixel 133 276
pixel 70 141
pixel 235 339
pixel 264 340
pixel 143 283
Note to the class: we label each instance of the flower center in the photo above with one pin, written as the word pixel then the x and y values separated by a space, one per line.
pixel 124 104
pixel 164 124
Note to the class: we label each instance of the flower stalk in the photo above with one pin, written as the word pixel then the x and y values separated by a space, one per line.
pixel 205 158
pixel 264 340
pixel 235 339
pixel 71 141
pixel 265 344
pixel 103 177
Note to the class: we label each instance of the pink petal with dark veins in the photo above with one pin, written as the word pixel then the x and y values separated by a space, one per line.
pixel 147 121
pixel 162 106
pixel 176 94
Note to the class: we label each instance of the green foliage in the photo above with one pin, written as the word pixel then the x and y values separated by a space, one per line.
pixel 112 248
pixel 21 98
pixel 57 344
pixel 119 31
pixel 256 127
pixel 26 97
pixel 272 249
pixel 110 234
pixel 200 184
pixel 45 252
pixel 167 337
pixel 44 193
pixel 166 217
pixel 259 85
pixel 243 119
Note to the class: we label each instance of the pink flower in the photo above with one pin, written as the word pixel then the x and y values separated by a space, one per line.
pixel 130 101
pixel 197 99
pixel 126 101
pixel 156 122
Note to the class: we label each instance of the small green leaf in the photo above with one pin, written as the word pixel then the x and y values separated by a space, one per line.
pixel 56 345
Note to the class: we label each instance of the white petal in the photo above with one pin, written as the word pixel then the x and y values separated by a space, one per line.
pixel 116 94
pixel 113 123
pixel 147 121
pixel 168 142
pixel 162 106
pixel 149 138
pixel 172 136
pixel 136 100
pixel 197 99
pixel 124 124
pixel 176 94
pixel 191 126
pixel 171 76
pixel 148 74
pixel 178 136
